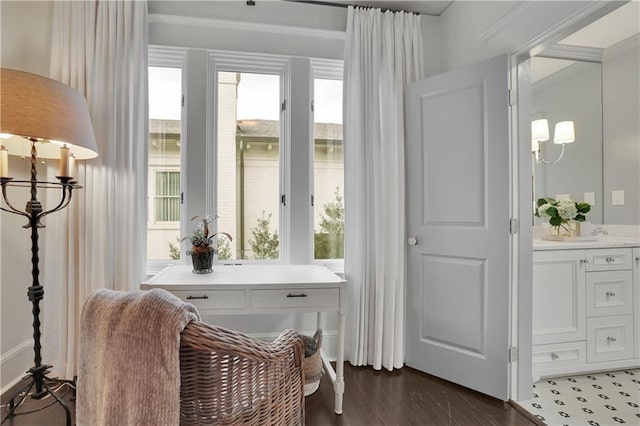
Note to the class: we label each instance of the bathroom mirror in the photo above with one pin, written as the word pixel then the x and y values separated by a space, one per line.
pixel 567 90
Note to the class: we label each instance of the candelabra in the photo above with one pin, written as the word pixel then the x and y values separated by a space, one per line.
pixel 53 117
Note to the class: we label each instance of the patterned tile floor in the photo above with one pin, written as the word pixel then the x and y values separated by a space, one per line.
pixel 599 399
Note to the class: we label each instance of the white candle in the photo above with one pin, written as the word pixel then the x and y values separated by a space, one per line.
pixel 64 161
pixel 72 165
pixel 4 162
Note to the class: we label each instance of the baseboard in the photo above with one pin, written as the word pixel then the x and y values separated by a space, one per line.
pixel 14 363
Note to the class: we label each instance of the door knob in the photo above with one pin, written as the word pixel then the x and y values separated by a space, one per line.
pixel 412 241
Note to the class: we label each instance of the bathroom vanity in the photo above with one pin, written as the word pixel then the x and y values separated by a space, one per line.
pixel 586 306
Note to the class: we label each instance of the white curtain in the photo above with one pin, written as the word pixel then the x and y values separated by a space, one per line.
pixel 383 53
pixel 100 48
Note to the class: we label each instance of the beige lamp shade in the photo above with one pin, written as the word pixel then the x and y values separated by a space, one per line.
pixel 564 132
pixel 32 106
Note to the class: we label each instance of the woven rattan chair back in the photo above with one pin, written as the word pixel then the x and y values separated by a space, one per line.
pixel 228 378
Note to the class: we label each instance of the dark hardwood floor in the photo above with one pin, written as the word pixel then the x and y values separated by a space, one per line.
pixel 406 397
pixel 401 397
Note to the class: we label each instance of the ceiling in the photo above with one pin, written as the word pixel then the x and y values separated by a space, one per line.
pixel 619 25
pixel 607 31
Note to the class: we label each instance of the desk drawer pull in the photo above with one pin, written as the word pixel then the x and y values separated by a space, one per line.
pixel 296 295
pixel 197 297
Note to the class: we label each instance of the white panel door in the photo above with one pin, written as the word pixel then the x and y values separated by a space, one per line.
pixel 458 223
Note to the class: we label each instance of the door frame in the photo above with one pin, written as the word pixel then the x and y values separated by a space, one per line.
pixel 521 381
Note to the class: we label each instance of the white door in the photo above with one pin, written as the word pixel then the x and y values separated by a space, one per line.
pixel 458 212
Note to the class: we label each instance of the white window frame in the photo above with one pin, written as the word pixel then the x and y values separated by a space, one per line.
pixel 260 64
pixel 330 70
pixel 281 65
pixel 169 57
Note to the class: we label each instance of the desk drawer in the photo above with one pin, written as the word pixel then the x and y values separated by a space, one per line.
pixel 213 299
pixel 288 298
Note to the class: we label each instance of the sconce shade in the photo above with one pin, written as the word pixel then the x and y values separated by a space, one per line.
pixel 38 107
pixel 564 132
pixel 540 130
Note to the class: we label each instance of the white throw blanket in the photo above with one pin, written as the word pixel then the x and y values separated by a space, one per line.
pixel 129 367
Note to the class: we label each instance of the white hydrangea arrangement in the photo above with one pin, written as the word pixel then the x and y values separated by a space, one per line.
pixel 560 212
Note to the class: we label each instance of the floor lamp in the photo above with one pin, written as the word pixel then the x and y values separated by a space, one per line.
pixel 41 118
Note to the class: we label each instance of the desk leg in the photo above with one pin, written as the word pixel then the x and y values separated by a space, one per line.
pixel 338 386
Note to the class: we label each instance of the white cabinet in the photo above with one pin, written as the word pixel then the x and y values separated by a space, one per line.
pixel 558 296
pixel 585 310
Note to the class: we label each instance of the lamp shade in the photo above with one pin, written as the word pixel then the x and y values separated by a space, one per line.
pixel 32 106
pixel 564 132
pixel 540 130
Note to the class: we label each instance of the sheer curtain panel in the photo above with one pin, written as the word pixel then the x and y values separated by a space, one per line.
pixel 100 48
pixel 383 53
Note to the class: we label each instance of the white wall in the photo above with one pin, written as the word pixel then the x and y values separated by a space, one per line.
pixel 621 109
pixel 25 45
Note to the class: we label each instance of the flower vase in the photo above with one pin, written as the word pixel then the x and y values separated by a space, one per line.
pixel 564 232
pixel 202 260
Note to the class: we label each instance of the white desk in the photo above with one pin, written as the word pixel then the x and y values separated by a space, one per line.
pixel 264 289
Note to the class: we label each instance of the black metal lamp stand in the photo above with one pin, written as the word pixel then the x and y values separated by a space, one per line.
pixel 37 375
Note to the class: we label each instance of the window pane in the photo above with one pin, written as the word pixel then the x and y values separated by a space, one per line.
pixel 168 196
pixel 328 167
pixel 163 227
pixel 249 164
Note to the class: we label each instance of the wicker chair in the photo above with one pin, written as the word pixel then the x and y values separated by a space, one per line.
pixel 228 378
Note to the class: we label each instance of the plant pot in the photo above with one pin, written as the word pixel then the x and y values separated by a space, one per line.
pixel 202 259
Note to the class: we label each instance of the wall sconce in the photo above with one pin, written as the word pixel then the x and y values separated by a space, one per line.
pixel 563 134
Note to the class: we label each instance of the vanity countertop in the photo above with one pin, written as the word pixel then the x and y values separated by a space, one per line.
pixel 602 242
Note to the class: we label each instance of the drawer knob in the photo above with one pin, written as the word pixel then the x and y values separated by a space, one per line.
pixel 197 297
pixel 610 294
pixel 584 260
pixel 611 339
pixel 610 259
pixel 554 356
pixel 296 295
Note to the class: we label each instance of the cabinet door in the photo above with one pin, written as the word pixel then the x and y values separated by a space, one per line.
pixel 558 296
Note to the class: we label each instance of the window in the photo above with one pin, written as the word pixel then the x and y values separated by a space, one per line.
pixel 164 193
pixel 167 196
pixel 248 148
pixel 328 169
pixel 233 155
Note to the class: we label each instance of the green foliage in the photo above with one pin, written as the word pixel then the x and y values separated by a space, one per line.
pixel 264 244
pixel 329 242
pixel 224 249
pixel 174 250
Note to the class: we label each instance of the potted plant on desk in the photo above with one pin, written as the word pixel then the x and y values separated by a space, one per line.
pixel 202 251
